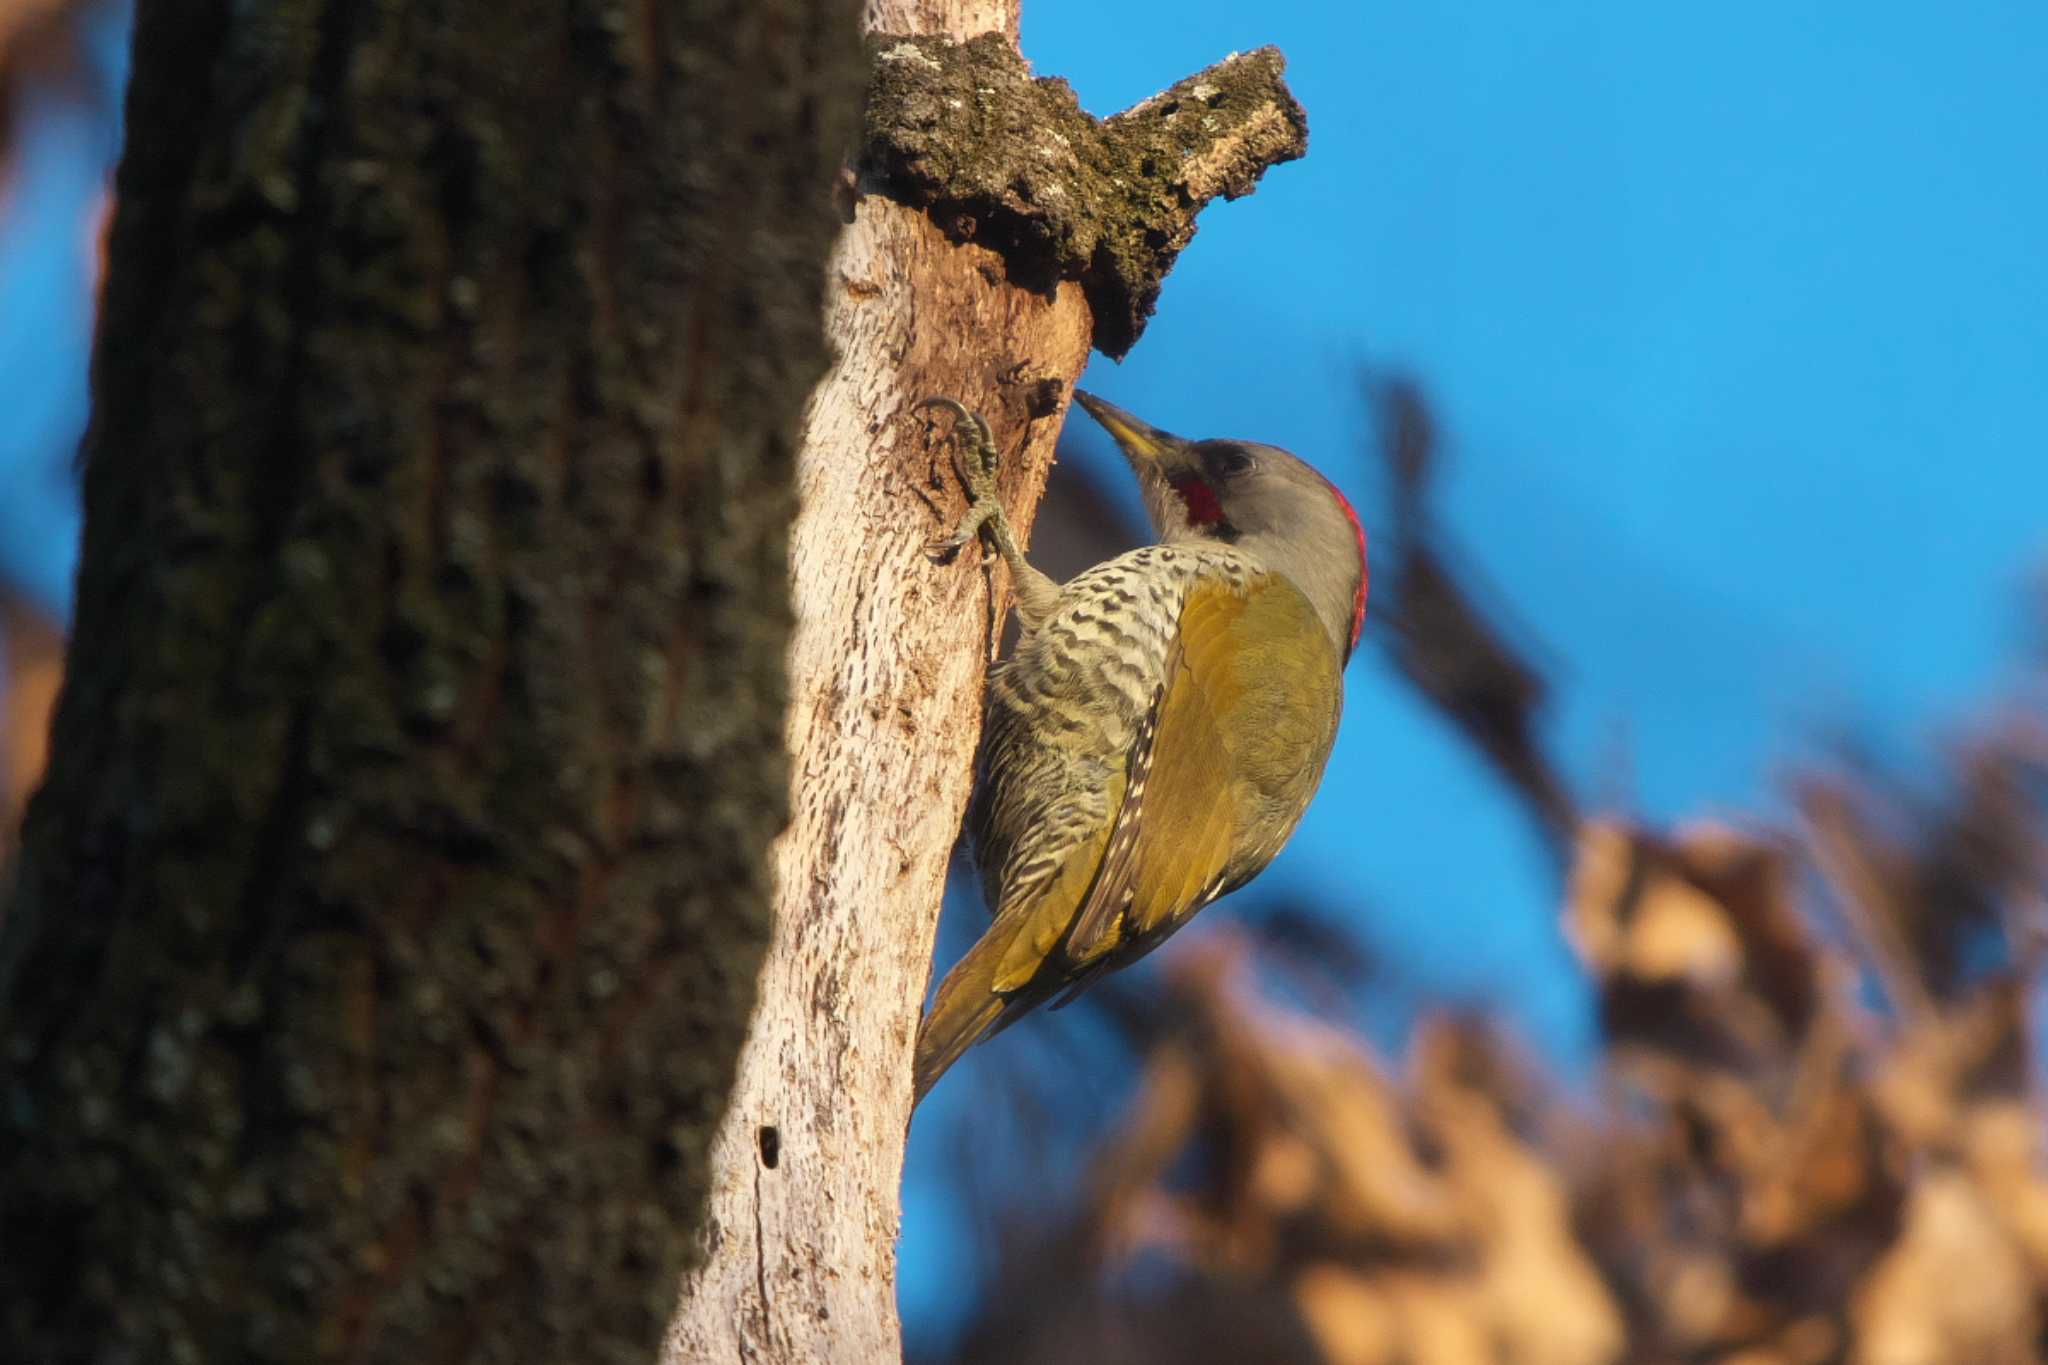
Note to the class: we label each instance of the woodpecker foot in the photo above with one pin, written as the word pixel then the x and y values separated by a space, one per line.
pixel 1036 595
pixel 977 471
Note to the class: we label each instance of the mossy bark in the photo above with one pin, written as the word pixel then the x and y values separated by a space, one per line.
pixel 963 131
pixel 388 925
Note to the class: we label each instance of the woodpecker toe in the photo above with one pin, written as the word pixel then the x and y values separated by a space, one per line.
pixel 974 461
pixel 944 549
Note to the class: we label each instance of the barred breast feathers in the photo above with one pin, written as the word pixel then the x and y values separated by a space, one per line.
pixel 1108 637
pixel 1064 709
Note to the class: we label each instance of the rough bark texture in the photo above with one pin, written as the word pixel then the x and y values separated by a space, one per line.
pixel 890 652
pixel 1015 164
pixel 886 678
pixel 387 927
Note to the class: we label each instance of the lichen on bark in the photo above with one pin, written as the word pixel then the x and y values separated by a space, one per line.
pixel 966 133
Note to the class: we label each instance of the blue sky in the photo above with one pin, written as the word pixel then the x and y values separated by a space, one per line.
pixel 66 140
pixel 1735 319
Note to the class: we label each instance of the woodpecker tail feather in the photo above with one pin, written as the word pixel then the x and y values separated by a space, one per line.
pixel 965 1010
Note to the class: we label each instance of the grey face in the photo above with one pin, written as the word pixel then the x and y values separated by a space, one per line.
pixel 1258 497
pixel 1277 507
pixel 1256 489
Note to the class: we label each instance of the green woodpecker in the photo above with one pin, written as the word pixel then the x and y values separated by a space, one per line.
pixel 1164 719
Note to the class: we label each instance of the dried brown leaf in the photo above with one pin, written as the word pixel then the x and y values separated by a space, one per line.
pixel 1953 1291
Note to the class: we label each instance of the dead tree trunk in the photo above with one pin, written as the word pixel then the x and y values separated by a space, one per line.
pixel 388 925
pixel 996 233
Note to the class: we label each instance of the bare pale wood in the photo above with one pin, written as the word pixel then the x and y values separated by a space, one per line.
pixel 955 19
pixel 805 1204
pixel 891 650
pixel 886 677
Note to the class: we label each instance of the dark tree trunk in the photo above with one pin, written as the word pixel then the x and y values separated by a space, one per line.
pixel 388 925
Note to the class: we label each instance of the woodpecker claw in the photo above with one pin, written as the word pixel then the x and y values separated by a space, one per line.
pixel 942 548
pixel 977 476
pixel 1036 594
pixel 984 440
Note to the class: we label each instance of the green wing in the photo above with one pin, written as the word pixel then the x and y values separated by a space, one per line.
pixel 1218 773
pixel 1245 720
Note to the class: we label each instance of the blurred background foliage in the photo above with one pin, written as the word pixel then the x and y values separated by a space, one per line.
pixel 62 67
pixel 1812 1132
pixel 1656 978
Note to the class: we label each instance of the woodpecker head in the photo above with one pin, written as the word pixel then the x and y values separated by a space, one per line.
pixel 1260 498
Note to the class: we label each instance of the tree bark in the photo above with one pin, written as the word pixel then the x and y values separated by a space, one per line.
pixel 997 231
pixel 886 675
pixel 388 924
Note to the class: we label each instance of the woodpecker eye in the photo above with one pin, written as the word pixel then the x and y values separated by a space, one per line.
pixel 1227 462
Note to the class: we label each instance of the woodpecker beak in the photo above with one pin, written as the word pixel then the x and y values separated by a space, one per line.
pixel 1143 444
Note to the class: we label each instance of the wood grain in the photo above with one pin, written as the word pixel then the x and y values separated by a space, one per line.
pixel 886 677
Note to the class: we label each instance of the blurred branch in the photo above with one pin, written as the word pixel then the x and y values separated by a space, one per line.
pixel 1443 644
pixel 1857 874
